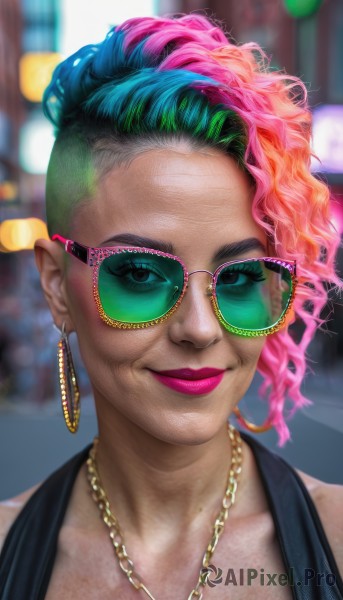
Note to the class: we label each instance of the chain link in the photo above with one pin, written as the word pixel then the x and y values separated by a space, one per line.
pixel 100 498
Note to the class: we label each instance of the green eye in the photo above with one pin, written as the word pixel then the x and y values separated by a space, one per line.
pixel 252 296
pixel 136 273
pixel 139 287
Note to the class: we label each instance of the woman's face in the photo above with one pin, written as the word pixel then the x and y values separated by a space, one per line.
pixel 197 202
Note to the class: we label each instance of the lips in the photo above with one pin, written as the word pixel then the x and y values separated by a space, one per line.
pixel 192 374
pixel 191 381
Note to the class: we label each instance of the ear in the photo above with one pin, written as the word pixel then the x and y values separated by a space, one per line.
pixel 50 262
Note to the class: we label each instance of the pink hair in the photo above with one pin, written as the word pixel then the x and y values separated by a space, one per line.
pixel 290 204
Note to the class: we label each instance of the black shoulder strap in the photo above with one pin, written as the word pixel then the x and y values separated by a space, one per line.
pixel 304 546
pixel 29 551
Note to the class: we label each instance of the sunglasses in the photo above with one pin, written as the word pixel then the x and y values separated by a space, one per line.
pixel 137 287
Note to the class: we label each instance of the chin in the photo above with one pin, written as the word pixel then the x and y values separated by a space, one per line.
pixel 190 430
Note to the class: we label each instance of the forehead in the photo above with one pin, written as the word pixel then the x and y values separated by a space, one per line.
pixel 174 194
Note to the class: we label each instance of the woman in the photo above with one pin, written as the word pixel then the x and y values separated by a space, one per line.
pixel 182 213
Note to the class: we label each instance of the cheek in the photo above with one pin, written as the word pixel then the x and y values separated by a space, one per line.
pixel 249 349
pixel 80 295
pixel 101 344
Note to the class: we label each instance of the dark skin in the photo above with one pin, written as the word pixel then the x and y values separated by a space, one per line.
pixel 164 456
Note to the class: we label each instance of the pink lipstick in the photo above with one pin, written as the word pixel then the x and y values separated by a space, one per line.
pixel 190 381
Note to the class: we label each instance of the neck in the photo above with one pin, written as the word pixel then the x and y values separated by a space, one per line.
pixel 145 478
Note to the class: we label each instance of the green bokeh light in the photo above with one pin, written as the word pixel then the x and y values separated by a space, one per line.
pixel 302 8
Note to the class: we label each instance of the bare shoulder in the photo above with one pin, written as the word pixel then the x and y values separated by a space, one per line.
pixel 328 499
pixel 10 509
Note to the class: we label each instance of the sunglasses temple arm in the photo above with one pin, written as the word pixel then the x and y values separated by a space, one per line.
pixel 73 248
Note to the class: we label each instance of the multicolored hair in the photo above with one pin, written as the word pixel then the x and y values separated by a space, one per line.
pixel 156 80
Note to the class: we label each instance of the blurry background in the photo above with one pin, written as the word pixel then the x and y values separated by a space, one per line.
pixel 304 37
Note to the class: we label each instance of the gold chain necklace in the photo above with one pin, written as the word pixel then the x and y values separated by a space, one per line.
pixel 100 498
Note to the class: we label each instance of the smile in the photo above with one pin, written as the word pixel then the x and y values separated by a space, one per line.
pixel 189 381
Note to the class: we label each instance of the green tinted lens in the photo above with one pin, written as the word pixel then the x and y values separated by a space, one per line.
pixel 136 287
pixel 253 295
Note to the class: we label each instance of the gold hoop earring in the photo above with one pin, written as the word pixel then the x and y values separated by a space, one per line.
pixel 70 394
pixel 249 425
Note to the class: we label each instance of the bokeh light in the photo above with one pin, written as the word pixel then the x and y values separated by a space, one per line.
pixel 21 234
pixel 300 9
pixel 36 141
pixel 328 138
pixel 35 71
pixel 94 19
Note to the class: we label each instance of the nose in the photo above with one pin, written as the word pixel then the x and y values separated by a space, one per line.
pixel 195 323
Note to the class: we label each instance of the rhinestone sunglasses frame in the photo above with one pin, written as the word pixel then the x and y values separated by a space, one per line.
pixel 93 257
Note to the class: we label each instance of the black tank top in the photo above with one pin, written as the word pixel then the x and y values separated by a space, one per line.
pixel 29 551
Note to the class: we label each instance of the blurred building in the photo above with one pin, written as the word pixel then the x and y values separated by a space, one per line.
pixel 11 115
pixel 40 42
pixel 303 37
pixel 10 102
pixel 28 34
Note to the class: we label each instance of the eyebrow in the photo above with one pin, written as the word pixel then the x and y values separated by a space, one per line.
pixel 131 239
pixel 226 252
pixel 229 251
